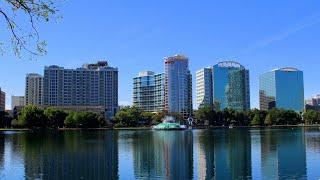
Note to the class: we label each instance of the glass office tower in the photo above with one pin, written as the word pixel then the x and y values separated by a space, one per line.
pixel 231 86
pixel 148 91
pixel 282 88
pixel 178 85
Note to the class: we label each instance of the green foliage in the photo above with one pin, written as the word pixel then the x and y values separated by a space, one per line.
pixel 70 120
pixel 268 120
pixel 204 115
pixel 32 116
pixel 256 121
pixel 157 117
pixel 128 117
pixel 55 117
pixel 15 123
pixel 82 120
pixel 311 117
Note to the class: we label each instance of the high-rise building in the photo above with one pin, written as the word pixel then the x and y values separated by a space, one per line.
pixel 282 88
pixel 90 85
pixel 178 85
pixel 231 87
pixel 34 89
pixel 204 87
pixel 17 101
pixel 2 100
pixel 148 91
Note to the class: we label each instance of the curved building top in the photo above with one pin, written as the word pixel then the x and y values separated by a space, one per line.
pixel 229 64
pixel 287 69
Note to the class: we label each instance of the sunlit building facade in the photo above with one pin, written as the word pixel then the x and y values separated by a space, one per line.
pixel 282 88
pixel 148 91
pixel 178 85
pixel 17 101
pixel 2 100
pixel 204 87
pixel 34 89
pixel 231 87
pixel 91 85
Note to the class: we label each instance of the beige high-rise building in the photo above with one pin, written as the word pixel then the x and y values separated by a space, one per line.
pixel 17 101
pixel 2 100
pixel 34 89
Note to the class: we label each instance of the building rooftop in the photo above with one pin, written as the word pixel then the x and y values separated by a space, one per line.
pixel 287 69
pixel 230 64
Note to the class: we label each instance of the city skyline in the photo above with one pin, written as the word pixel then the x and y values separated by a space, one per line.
pixel 8 100
pixel 135 38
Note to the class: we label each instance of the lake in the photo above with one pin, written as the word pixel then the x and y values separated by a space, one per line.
pixel 292 153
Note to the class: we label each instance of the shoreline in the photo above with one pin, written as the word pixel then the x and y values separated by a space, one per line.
pixel 150 128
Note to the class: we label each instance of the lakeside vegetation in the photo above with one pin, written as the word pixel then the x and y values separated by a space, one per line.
pixel 207 116
pixel 32 117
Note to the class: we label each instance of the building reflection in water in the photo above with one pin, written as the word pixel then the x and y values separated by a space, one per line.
pixel 70 155
pixel 283 154
pixel 227 154
pixel 199 154
pixel 163 154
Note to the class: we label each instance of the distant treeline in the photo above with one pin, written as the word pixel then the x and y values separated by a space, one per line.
pixel 208 116
pixel 32 116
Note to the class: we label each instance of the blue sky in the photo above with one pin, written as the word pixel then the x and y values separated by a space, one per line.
pixel 136 35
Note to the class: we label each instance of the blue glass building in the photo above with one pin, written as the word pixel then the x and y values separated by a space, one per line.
pixel 282 88
pixel 178 85
pixel 231 86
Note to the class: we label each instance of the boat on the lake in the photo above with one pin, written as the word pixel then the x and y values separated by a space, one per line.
pixel 169 123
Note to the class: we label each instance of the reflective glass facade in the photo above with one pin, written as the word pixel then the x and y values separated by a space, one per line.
pixel 283 89
pixel 178 85
pixel 231 86
pixel 148 91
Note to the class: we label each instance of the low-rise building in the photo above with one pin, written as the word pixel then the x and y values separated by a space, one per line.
pixel 313 103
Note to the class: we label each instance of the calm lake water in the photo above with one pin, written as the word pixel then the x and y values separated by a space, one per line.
pixel 145 154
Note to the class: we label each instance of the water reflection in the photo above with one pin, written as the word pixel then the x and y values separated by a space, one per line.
pixel 226 155
pixel 198 154
pixel 162 154
pixel 283 154
pixel 68 155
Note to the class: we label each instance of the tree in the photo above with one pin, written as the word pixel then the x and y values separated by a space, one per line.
pixel 268 120
pixel 205 115
pixel 70 121
pixel 24 32
pixel 146 117
pixel 157 117
pixel 55 117
pixel 124 118
pixel 256 120
pixel 311 116
pixel 32 116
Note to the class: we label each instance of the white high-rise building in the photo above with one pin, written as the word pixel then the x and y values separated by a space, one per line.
pixel 34 89
pixel 17 101
pixel 204 87
pixel 92 85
